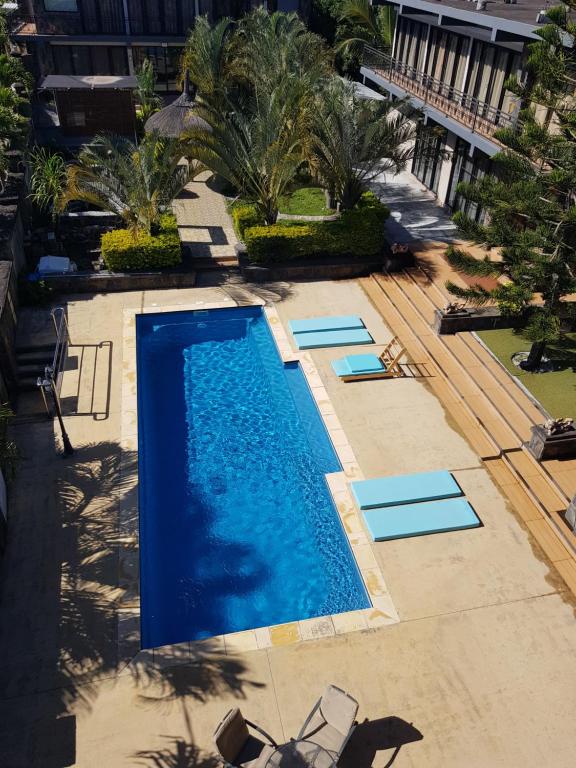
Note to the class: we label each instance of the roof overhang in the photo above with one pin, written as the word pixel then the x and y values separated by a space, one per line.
pixel 450 16
pixel 88 83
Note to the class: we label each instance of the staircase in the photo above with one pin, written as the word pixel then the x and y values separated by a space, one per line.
pixel 31 361
pixel 492 411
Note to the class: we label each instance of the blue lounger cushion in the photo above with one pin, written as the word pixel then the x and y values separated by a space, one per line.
pixel 406 520
pixel 355 365
pixel 405 489
pixel 313 324
pixel 345 338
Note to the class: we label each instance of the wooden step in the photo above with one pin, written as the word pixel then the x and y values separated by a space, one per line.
pixel 501 375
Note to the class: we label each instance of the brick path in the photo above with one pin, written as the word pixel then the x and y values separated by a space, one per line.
pixel 205 227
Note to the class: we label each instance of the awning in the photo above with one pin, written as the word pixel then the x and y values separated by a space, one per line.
pixel 88 83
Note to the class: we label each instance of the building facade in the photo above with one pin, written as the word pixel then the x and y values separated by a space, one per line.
pixel 113 37
pixel 451 59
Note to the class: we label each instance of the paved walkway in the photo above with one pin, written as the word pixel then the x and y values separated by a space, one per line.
pixel 495 415
pixel 205 227
pixel 478 672
pixel 415 213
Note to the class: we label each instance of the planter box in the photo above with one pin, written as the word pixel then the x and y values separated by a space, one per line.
pixel 544 446
pixel 109 282
pixel 308 269
pixel 483 319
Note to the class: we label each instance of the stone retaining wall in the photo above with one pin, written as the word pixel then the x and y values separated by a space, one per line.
pixel 110 282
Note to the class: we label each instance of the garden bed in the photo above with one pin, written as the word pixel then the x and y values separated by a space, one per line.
pixel 556 389
pixel 306 201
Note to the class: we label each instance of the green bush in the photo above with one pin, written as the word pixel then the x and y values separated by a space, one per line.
pixel 357 233
pixel 245 215
pixel 121 250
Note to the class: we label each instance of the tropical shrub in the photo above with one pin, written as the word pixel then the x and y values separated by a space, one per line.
pixel 124 249
pixel 357 233
pixel 245 215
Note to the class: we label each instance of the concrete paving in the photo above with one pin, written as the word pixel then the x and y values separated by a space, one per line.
pixel 414 210
pixel 478 673
pixel 205 228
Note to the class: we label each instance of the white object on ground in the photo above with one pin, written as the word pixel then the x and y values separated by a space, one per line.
pixel 50 265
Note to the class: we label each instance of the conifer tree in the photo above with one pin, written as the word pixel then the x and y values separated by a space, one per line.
pixel 530 198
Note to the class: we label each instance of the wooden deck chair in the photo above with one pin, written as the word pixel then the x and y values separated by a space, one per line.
pixel 392 369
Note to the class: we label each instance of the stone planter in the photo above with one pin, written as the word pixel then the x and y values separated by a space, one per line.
pixel 545 446
pixel 482 319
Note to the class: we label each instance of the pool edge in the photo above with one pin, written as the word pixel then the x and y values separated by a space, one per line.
pixel 381 613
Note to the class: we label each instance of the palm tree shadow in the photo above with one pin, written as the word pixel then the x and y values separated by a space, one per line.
pixel 373 736
pixel 176 754
pixel 62 564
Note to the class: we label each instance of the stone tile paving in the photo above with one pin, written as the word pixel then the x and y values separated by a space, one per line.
pixel 415 213
pixel 477 673
pixel 205 227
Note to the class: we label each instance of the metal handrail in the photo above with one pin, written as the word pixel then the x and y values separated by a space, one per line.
pixel 54 371
pixel 90 23
pixel 476 114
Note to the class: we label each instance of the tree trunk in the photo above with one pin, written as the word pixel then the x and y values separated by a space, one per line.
pixel 534 357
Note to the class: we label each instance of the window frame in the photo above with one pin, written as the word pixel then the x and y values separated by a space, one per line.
pixel 59 10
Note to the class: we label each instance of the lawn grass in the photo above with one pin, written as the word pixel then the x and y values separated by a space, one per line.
pixel 306 201
pixel 556 390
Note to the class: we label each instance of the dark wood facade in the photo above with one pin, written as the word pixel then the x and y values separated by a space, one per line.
pixel 86 112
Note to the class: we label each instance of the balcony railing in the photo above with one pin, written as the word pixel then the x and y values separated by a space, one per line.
pixel 477 115
pixel 92 24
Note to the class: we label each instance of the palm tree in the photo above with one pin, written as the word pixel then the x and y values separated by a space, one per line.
pixel 257 145
pixel 366 24
pixel 268 48
pixel 148 99
pixel 354 140
pixel 207 60
pixel 47 179
pixel 136 182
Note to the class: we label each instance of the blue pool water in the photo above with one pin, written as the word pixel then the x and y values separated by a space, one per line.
pixel 237 527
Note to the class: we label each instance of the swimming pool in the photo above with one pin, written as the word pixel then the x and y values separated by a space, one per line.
pixel 238 529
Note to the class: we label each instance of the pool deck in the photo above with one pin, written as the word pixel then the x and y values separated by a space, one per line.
pixel 477 672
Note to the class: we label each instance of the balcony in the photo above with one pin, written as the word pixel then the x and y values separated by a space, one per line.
pixel 476 115
pixel 111 25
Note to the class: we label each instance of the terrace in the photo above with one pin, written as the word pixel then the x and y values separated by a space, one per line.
pixel 476 664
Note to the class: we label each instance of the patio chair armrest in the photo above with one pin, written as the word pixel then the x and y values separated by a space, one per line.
pixel 315 708
pixel 262 731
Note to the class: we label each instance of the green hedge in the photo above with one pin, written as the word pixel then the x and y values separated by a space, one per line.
pixel 357 233
pixel 121 250
pixel 245 215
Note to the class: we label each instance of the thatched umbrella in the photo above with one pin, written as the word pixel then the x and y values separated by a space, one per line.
pixel 178 117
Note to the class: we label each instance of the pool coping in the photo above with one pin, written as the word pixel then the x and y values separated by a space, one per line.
pixel 382 611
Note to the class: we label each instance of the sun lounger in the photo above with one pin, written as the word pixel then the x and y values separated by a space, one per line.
pixel 314 324
pixel 342 338
pixel 237 747
pixel 405 489
pixel 332 721
pixel 361 367
pixel 407 520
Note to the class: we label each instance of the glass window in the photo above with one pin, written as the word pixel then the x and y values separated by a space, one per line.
pixel 69 6
pixel 428 155
pixel 466 168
